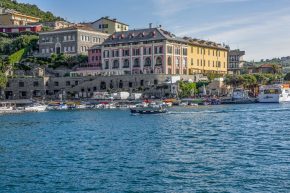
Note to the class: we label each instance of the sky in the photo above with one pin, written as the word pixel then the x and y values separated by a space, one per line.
pixel 260 27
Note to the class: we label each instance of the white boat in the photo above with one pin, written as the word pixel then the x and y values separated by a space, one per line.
pixel 35 108
pixel 277 93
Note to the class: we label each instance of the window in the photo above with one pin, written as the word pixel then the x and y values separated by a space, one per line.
pixel 191 61
pixel 177 51
pixel 21 84
pixel 177 62
pixel 100 26
pixel 169 61
pixel 126 53
pixel 158 49
pixel 56 83
pixel 136 62
pixel 158 61
pixel 184 50
pixel 35 84
pixel 106 64
pixel 116 64
pixel 126 63
pixel 67 83
pixel 169 49
pixel 136 52
pixel 147 62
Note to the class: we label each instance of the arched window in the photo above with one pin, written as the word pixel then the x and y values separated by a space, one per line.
pixel 103 85
pixel 126 63
pixel 116 64
pixel 169 61
pixel 121 84
pixel 111 84
pixel 147 62
pixel 177 62
pixel 184 62
pixel 136 62
pixel 158 61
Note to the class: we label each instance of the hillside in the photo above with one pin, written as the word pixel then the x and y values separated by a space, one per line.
pixel 284 61
pixel 29 9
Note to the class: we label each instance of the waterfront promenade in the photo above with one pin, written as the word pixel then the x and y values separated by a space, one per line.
pixel 238 148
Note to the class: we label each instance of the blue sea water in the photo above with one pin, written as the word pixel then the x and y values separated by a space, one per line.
pixel 241 148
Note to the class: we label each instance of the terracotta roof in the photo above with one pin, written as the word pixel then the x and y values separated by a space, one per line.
pixel 269 65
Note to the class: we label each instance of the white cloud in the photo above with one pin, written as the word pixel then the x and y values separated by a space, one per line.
pixel 263 34
pixel 167 8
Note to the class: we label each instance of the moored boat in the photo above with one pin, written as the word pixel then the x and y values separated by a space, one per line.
pixel 277 93
pixel 148 110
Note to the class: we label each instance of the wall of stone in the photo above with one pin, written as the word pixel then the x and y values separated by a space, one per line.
pixel 52 87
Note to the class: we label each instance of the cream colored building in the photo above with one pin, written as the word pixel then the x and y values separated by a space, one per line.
pixel 108 25
pixel 11 17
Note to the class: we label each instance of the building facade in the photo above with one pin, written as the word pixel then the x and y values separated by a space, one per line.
pixel 236 61
pixel 207 57
pixel 18 29
pixel 73 40
pixel 54 24
pixel 11 17
pixel 266 69
pixel 156 51
pixel 110 26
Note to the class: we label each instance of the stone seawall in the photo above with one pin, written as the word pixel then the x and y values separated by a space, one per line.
pixel 52 87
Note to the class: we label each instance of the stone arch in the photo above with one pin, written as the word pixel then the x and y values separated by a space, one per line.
pixel 158 61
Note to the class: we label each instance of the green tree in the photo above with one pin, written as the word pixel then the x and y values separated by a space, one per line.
pixel 3 80
pixel 287 77
pixel 187 89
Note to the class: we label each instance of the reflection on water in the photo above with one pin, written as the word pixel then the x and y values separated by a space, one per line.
pixel 242 148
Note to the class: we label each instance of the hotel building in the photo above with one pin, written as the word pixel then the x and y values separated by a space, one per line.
pixel 156 51
pixel 73 40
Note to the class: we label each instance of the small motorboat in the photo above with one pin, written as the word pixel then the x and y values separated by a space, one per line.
pixel 148 110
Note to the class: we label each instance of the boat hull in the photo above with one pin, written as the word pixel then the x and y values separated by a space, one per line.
pixel 148 111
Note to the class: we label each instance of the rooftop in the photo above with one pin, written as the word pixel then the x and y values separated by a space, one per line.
pixel 109 19
pixel 76 27
pixel 156 34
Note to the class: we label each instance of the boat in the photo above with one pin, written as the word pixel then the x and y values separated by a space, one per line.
pixel 35 108
pixel 277 93
pixel 148 110
pixel 239 96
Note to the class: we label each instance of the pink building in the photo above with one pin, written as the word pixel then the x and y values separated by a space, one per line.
pixel 95 57
pixel 94 65
pixel 18 29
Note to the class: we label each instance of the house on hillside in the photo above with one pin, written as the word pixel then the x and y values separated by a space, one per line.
pixel 266 69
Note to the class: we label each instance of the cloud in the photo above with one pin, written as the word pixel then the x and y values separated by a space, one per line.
pixel 167 8
pixel 263 34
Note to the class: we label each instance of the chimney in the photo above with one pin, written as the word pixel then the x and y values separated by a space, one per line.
pixel 160 26
pixel 150 25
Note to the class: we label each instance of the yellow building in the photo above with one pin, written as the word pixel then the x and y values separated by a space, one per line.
pixel 206 57
pixel 10 17
pixel 110 26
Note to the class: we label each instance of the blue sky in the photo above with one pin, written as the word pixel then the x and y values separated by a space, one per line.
pixel 260 27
